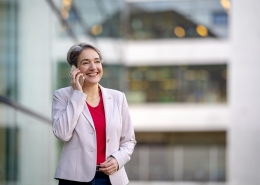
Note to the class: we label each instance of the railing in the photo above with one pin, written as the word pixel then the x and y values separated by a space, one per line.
pixel 23 109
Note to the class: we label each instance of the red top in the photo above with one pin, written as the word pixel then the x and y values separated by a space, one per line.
pixel 98 116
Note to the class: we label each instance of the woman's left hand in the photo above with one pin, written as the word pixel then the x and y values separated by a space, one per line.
pixel 110 166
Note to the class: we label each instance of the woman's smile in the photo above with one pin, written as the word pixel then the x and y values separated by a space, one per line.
pixel 92 74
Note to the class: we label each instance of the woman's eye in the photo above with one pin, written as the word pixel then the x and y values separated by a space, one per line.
pixel 97 61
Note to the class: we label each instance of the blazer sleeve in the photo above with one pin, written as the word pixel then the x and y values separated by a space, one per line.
pixel 65 113
pixel 127 139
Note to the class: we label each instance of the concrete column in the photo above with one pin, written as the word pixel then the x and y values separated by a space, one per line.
pixel 244 94
pixel 37 144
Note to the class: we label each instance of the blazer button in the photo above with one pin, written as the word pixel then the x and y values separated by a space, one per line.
pixel 107 140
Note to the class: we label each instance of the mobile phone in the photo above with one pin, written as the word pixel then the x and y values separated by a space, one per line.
pixel 81 79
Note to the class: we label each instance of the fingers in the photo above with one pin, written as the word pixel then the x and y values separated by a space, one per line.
pixel 75 73
pixel 110 166
pixel 75 79
pixel 78 76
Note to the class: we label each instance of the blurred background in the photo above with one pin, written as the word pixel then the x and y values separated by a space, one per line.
pixel 189 69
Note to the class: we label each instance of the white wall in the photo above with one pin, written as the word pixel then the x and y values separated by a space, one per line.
pixel 172 51
pixel 244 140
pixel 180 117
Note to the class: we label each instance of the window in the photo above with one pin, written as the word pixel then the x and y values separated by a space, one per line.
pixel 63 77
pixel 179 156
pixel 113 76
pixel 194 83
pixel 8 154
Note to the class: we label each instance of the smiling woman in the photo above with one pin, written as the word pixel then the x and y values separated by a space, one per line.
pixel 93 122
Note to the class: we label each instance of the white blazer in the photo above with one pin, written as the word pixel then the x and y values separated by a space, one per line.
pixel 73 124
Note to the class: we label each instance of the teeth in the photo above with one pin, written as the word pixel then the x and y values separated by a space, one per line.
pixel 92 74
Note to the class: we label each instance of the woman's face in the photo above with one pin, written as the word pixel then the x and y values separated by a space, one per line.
pixel 89 64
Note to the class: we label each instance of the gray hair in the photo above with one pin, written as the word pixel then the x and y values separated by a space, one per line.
pixel 75 51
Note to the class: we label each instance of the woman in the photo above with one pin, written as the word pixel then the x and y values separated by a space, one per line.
pixel 93 122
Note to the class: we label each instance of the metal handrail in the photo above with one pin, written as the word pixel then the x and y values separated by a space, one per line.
pixel 23 109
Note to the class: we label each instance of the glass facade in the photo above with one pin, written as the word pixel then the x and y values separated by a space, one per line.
pixel 178 19
pixel 9 154
pixel 186 84
pixel 25 157
pixel 179 156
pixel 9 132
pixel 85 18
pixel 8 48
pixel 137 20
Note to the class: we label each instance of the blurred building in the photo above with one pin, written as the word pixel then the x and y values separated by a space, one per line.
pixel 188 68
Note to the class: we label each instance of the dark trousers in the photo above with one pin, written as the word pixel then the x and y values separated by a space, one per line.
pixel 99 179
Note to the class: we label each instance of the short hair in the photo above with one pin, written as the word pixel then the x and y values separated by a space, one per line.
pixel 75 51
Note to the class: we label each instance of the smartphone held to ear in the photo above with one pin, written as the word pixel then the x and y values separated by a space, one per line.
pixel 81 79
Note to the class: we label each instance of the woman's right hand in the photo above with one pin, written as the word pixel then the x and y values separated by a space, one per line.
pixel 75 82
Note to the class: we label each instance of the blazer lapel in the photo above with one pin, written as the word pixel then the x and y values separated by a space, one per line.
pixel 87 115
pixel 108 107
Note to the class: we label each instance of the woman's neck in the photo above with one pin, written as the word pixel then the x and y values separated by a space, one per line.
pixel 91 90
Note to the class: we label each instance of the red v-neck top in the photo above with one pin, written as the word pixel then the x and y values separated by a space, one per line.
pixel 98 116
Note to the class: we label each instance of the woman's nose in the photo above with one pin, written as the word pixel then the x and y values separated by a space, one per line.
pixel 92 65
